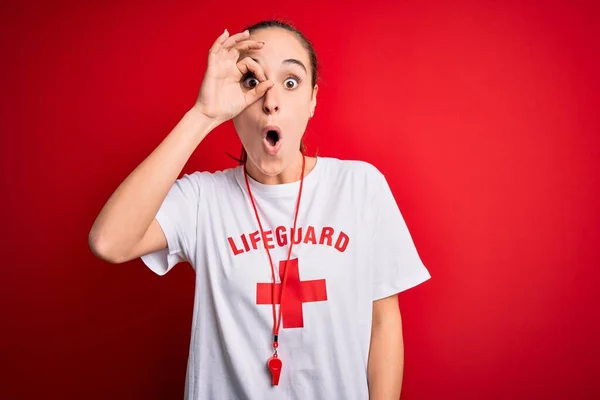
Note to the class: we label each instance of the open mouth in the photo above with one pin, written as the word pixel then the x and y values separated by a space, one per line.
pixel 272 137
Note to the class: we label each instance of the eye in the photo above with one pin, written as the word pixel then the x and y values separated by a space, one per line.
pixel 250 82
pixel 291 82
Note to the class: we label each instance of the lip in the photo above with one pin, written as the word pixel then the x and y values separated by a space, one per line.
pixel 271 128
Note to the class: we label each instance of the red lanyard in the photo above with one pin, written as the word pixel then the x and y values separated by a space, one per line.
pixel 274 363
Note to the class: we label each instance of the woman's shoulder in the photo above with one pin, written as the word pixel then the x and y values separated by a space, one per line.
pixel 221 178
pixel 351 168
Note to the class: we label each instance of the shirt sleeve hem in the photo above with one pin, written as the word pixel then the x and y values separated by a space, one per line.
pixel 392 288
pixel 161 261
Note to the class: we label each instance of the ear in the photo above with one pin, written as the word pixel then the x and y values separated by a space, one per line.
pixel 313 101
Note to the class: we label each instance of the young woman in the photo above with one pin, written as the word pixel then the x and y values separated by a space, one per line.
pixel 298 259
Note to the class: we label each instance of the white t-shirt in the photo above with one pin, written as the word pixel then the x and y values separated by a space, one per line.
pixel 351 247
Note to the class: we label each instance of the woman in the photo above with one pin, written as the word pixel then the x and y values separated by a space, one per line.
pixel 298 260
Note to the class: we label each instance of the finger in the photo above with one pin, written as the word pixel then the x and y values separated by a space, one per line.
pixel 247 45
pixel 236 38
pixel 258 92
pixel 249 65
pixel 223 36
pixel 219 42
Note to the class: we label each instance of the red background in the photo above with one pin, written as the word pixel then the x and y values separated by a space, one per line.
pixel 482 114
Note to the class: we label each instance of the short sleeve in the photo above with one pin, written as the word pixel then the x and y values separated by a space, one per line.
pixel 396 262
pixel 178 219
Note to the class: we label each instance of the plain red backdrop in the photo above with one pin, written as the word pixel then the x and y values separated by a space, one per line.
pixel 482 114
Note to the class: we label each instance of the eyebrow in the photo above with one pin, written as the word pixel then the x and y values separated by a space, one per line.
pixel 292 61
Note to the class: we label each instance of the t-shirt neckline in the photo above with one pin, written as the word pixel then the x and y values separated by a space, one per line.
pixel 283 189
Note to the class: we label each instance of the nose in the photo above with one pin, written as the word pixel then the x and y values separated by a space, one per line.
pixel 271 102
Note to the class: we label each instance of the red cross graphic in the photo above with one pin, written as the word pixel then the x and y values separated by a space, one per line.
pixel 297 292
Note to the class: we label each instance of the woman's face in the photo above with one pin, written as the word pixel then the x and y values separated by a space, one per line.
pixel 271 129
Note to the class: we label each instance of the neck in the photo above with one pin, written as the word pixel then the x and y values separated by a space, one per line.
pixel 292 173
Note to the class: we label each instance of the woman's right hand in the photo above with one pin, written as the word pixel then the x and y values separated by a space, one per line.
pixel 222 95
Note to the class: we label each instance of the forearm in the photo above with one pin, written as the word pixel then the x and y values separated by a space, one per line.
pixel 386 357
pixel 128 213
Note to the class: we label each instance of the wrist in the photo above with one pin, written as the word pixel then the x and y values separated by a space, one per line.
pixel 202 110
pixel 202 123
